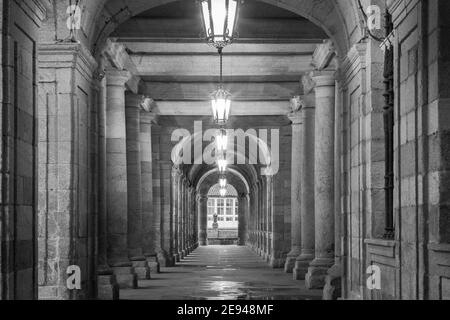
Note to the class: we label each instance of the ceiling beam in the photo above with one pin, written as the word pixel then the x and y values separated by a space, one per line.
pixel 239 108
pixel 148 45
pixel 208 65
pixel 239 90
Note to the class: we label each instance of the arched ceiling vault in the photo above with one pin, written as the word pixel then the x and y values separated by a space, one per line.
pixel 339 19
pixel 210 178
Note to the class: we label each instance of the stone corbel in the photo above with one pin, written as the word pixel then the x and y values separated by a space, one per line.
pixel 323 55
pixel 308 84
pixel 296 106
pixel 117 55
pixel 147 104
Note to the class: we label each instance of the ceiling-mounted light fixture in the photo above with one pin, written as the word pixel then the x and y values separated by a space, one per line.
pixel 219 21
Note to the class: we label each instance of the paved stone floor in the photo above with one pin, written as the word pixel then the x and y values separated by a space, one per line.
pixel 221 273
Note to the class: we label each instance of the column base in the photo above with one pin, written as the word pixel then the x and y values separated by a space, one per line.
pixel 317 272
pixel 333 284
pixel 276 263
pixel 153 263
pixel 301 266
pixel 176 258
pixel 291 258
pixel 107 287
pixel 165 259
pixel 126 277
pixel 142 270
pixel 289 264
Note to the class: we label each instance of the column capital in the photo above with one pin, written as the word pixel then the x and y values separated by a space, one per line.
pixel 243 195
pixel 323 55
pixel 296 117
pixel 116 77
pixel 324 78
pixel 148 117
pixel 133 100
pixel 176 172
pixel 296 103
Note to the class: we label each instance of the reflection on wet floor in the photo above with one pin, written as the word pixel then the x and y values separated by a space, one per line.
pixel 221 273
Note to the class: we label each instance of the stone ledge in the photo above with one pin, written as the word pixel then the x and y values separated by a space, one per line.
pixel 381 247
pixel 439 247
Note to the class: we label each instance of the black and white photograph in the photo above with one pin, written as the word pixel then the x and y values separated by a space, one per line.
pixel 224 156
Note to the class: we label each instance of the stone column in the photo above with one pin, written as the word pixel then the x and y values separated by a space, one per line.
pixel 150 222
pixel 258 219
pixel 183 218
pixel 117 185
pixel 194 219
pixel 296 164
pixel 265 235
pixel 269 196
pixel 202 202
pixel 307 189
pixel 133 107
pixel 324 181
pixel 167 213
pixel 333 286
pixel 161 248
pixel 189 219
pixel 242 228
pixel 107 288
pixel 175 212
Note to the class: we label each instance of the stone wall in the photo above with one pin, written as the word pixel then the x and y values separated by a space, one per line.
pixel 18 220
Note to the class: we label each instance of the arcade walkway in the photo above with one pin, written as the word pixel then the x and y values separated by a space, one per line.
pixel 219 273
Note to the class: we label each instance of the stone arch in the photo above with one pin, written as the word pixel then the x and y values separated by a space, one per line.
pixel 339 19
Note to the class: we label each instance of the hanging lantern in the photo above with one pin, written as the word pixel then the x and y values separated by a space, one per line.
pixel 222 141
pixel 221 105
pixel 223 192
pixel 219 21
pixel 223 182
pixel 222 164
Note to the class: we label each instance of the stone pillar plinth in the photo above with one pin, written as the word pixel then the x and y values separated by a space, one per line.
pixel 296 164
pixel 306 191
pixel 202 202
pixel 133 106
pixel 117 184
pixel 324 181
